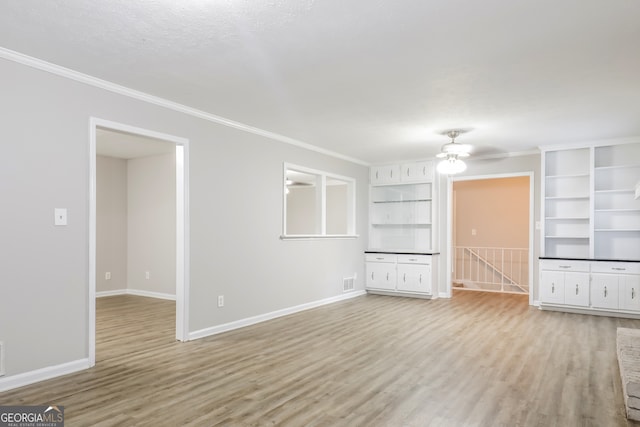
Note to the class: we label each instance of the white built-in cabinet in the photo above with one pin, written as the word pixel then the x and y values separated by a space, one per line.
pixel 400 274
pixel 590 256
pixel 596 287
pixel 402 230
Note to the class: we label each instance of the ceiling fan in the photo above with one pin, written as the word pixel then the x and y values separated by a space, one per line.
pixel 451 154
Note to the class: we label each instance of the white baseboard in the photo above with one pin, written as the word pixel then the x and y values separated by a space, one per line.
pixel 136 292
pixel 21 380
pixel 111 293
pixel 443 295
pixel 151 294
pixel 214 330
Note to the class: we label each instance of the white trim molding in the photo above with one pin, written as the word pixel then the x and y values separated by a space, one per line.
pixel 39 64
pixel 136 292
pixel 31 377
pixel 182 228
pixel 226 327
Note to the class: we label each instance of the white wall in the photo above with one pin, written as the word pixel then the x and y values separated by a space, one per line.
pixel 235 222
pixel 151 199
pixel 111 227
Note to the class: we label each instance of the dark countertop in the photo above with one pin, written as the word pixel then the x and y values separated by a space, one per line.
pixel 590 259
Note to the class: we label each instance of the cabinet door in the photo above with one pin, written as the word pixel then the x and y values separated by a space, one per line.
pixel 629 299
pixel 552 287
pixel 414 278
pixel 576 289
pixel 381 275
pixel 604 291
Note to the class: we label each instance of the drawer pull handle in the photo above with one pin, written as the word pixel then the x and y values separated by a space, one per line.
pixel 605 291
pixel 424 170
pixel 376 174
pixel 421 279
pixel 372 275
pixel 391 173
pixel 564 266
pixel 553 288
pixel 387 276
pixel 618 268
pixel 413 259
pixel 633 293
pixel 380 258
pixel 576 289
pixel 407 171
pixel 404 277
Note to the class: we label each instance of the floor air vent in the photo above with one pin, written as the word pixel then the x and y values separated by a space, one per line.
pixel 347 284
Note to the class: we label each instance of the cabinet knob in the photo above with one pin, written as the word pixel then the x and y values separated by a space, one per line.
pixel 420 280
pixel 391 173
pixel 633 293
pixel 387 276
pixel 605 291
pixel 372 275
pixel 576 289
pixel 407 171
pixel 404 277
pixel 553 288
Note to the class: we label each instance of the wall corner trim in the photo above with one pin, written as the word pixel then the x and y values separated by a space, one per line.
pixel 58 70
pixel 21 380
pixel 214 330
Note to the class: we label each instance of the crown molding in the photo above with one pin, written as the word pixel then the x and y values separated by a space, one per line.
pixel 77 76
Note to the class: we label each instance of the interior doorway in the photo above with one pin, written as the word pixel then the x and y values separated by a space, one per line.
pixel 144 154
pixel 492 233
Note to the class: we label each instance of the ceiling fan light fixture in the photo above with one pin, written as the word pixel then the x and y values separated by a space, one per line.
pixel 451 154
pixel 451 166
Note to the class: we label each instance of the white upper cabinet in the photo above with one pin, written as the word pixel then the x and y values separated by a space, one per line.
pixel 417 172
pixel 388 174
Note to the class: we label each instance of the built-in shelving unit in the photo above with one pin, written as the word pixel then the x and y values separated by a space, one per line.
pixel 401 217
pixel 590 209
pixel 567 202
pixel 402 235
pixel 616 211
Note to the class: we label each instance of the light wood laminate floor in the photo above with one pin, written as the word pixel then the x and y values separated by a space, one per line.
pixel 479 359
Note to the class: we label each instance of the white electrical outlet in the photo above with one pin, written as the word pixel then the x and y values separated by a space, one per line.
pixel 147 274
pixel 220 300
pixel 59 216
pixel 107 275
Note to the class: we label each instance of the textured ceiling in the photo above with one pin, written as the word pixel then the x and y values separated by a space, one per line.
pixel 375 80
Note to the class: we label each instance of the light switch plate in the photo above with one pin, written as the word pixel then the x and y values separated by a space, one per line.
pixel 60 216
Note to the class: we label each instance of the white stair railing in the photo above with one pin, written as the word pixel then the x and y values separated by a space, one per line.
pixel 492 269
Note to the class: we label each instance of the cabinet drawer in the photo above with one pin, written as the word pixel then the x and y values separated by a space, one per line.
pixel 564 265
pixel 616 267
pixel 414 259
pixel 380 258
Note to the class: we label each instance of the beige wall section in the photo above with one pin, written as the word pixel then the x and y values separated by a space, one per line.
pixel 152 223
pixel 497 209
pixel 235 218
pixel 111 223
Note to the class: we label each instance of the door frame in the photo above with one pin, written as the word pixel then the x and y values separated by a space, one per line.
pixel 450 181
pixel 182 226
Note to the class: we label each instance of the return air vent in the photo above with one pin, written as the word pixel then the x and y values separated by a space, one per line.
pixel 347 284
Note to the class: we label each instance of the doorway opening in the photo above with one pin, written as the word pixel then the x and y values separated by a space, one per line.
pixel 146 222
pixel 492 234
